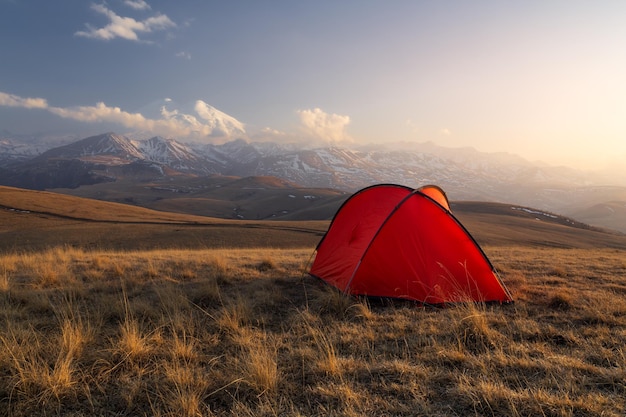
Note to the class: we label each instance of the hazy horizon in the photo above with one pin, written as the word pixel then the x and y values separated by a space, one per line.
pixel 544 81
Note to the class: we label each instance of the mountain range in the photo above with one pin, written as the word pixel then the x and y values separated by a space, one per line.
pixel 465 174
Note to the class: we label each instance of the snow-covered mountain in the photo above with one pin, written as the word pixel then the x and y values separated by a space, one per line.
pixel 15 151
pixel 23 147
pixel 174 154
pixel 109 147
pixel 465 174
pixel 333 166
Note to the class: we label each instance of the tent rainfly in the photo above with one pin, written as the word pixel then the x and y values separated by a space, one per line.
pixel 392 241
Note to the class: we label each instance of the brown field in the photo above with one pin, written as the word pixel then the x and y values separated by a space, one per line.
pixel 220 196
pixel 36 220
pixel 209 328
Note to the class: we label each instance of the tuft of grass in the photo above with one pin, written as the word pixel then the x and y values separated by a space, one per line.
pixel 260 368
pixel 266 265
pixel 75 335
pixel 325 355
pixel 362 310
pixel 332 301
pixel 8 267
pixel 473 330
pixel 560 300
pixel 5 280
pixel 185 389
pixel 217 268
pixel 48 272
pixel 184 346
pixel 558 271
pixel 33 377
pixel 235 314
pixel 133 343
pixel 205 293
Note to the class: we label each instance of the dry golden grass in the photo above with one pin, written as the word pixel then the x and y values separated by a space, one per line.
pixel 244 332
pixel 38 220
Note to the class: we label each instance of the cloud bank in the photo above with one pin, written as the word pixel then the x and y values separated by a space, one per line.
pixel 125 27
pixel 324 126
pixel 198 121
pixel 11 100
pixel 202 122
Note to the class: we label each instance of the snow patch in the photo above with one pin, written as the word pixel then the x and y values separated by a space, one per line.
pixel 552 216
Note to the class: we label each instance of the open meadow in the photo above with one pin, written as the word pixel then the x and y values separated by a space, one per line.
pixel 213 330
pixel 244 332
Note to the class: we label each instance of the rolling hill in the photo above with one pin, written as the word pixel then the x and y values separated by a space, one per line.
pixel 34 219
pixel 249 198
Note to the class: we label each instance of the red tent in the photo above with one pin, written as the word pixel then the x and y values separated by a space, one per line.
pixel 393 241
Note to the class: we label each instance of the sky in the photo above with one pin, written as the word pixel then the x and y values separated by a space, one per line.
pixel 542 79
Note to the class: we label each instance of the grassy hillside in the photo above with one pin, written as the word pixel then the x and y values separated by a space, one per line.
pixel 115 310
pixel 506 225
pixel 612 214
pixel 251 198
pixel 34 220
pixel 243 332
pixel 37 220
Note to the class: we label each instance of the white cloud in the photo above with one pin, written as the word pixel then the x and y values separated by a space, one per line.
pixel 184 55
pixel 11 100
pixel 268 134
pixel 199 123
pixel 325 126
pixel 124 27
pixel 100 113
pixel 167 114
pixel 210 123
pixel 137 4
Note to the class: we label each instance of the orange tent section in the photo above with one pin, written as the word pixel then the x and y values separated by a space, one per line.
pixel 392 241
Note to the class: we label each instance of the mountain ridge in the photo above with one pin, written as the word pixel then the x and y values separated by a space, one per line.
pixel 465 174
